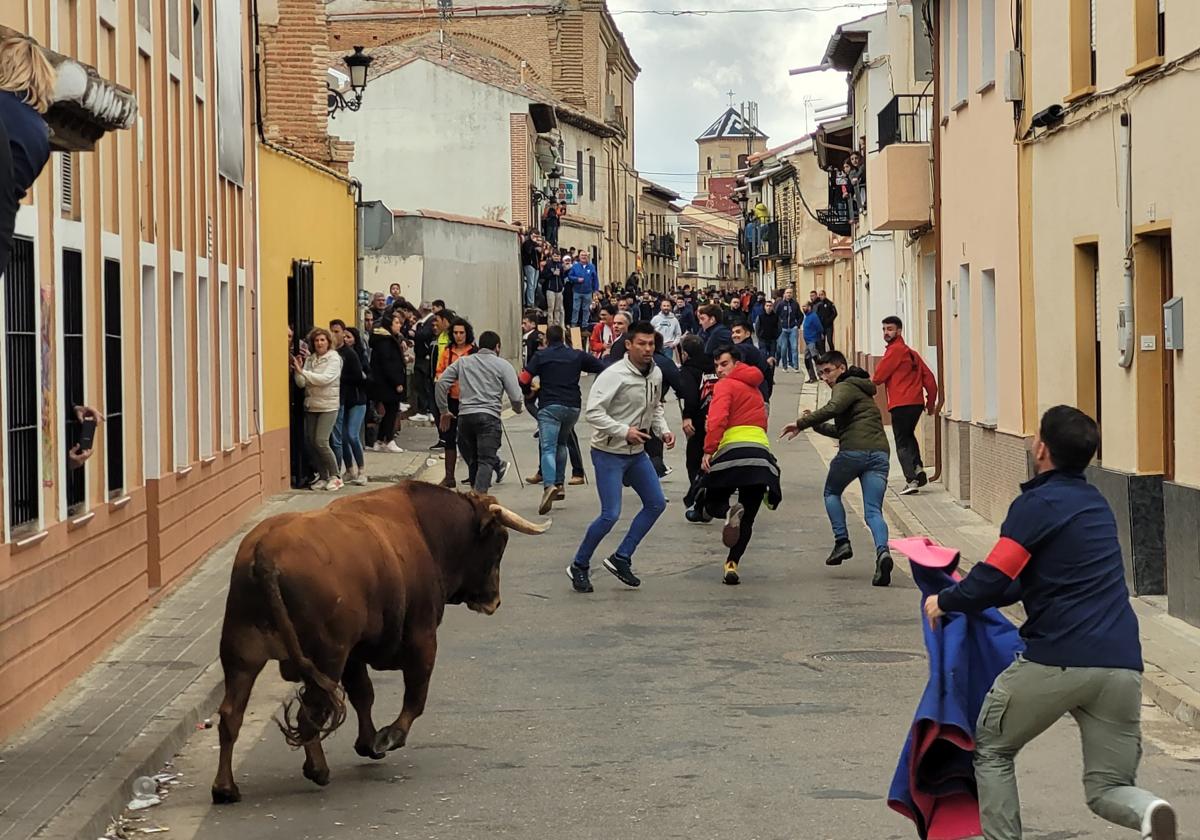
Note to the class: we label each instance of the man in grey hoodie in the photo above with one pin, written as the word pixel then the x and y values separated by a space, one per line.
pixel 624 407
pixel 484 379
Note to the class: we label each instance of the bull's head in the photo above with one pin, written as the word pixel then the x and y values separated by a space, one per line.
pixel 480 589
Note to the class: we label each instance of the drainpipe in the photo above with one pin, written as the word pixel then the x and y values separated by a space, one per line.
pixel 938 314
pixel 1125 310
pixel 356 187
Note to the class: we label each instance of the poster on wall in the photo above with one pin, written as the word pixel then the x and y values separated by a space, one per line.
pixel 231 151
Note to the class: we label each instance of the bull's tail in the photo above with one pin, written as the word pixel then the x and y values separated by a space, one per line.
pixel 329 702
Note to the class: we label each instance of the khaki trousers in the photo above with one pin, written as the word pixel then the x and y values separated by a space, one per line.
pixel 1025 701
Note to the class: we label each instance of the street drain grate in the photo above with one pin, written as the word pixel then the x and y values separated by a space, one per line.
pixel 871 657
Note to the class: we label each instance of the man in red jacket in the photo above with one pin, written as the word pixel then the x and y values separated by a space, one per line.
pixel 737 456
pixel 911 386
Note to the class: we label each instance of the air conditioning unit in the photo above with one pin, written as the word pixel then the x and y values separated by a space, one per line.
pixel 67 172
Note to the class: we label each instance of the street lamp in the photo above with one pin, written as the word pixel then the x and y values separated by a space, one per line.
pixel 357 62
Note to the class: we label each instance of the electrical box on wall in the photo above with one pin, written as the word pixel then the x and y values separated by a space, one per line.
pixel 1173 324
pixel 1012 76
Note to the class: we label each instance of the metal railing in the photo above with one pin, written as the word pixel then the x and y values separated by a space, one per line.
pixel 908 118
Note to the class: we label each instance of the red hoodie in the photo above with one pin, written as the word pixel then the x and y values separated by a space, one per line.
pixel 736 401
pixel 906 375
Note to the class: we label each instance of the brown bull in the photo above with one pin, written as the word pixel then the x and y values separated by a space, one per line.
pixel 362 582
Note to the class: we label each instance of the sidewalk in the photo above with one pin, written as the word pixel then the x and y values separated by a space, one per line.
pixel 1170 647
pixel 70 771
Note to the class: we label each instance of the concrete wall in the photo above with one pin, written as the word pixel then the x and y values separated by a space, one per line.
pixel 430 137
pixel 473 267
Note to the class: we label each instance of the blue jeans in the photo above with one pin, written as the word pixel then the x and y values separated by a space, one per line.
pixel 871 470
pixel 787 348
pixel 347 435
pixel 555 423
pixel 580 304
pixel 531 279
pixel 612 473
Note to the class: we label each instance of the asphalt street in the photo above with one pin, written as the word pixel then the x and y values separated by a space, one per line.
pixel 683 709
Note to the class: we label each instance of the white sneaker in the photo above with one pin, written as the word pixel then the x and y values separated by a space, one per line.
pixel 379 446
pixel 404 407
pixel 392 447
pixel 1158 823
pixel 334 484
pixel 501 471
pixel 318 485
pixel 359 480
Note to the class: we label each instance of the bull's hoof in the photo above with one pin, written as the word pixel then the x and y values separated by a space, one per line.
pixel 367 751
pixel 320 777
pixel 388 739
pixel 226 795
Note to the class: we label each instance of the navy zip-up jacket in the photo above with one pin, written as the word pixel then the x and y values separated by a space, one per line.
pixel 559 366
pixel 1060 540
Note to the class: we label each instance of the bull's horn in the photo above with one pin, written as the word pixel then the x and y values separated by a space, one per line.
pixel 517 522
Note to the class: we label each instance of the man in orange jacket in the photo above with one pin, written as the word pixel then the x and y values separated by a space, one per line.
pixel 911 387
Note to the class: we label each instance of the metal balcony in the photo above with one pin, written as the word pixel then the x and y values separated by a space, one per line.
pixel 908 118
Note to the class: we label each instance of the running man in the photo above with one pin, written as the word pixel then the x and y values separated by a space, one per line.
pixel 1082 652
pixel 852 417
pixel 737 455
pixel 624 407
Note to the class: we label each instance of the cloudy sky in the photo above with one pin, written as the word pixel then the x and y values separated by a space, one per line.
pixel 690 62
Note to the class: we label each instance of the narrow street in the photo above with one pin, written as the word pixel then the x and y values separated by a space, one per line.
pixel 683 709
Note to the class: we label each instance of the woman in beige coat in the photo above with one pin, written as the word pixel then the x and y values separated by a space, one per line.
pixel 320 377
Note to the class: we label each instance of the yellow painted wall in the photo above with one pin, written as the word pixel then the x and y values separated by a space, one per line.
pixel 305 214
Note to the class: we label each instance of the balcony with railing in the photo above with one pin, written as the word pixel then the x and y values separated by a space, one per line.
pixel 659 245
pixel 900 173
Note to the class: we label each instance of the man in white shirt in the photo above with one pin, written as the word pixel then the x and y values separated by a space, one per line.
pixel 667 325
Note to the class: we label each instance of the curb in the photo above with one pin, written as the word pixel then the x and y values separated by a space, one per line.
pixel 92 810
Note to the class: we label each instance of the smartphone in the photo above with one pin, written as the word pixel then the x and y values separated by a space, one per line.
pixel 87 434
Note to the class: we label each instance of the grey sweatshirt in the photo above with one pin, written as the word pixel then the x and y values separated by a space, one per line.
pixel 483 379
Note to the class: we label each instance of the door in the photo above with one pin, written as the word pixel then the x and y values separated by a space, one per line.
pixel 1168 401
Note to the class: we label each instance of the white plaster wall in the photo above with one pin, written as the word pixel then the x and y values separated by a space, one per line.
pixel 430 138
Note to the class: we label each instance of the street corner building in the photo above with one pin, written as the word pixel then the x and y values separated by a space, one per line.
pixel 154 262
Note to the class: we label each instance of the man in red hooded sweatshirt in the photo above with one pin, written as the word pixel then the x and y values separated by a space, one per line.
pixel 911 387
pixel 737 455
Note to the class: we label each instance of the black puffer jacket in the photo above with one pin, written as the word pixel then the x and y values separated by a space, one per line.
pixel 354 377
pixel 387 367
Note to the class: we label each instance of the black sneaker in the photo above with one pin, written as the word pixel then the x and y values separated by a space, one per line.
pixel 883 568
pixel 501 471
pixel 437 447
pixel 579 578
pixel 922 479
pixel 622 568
pixel 841 551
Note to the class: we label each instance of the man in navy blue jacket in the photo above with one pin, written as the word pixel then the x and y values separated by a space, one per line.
pixel 559 403
pixel 1082 651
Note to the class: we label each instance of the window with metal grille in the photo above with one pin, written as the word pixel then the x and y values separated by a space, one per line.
pixel 21 386
pixel 66 168
pixel 72 354
pixel 244 341
pixel 114 391
pixel 179 356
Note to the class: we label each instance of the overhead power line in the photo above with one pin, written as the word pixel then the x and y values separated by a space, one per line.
pixel 867 4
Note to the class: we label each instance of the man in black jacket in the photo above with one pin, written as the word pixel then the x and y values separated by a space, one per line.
pixel 828 313
pixel 768 329
pixel 697 368
pixel 423 365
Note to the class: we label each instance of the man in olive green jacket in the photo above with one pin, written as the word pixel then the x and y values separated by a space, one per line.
pixel 852 417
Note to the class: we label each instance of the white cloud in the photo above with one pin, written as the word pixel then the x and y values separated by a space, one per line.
pixel 689 62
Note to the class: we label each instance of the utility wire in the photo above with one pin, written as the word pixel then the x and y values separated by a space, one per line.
pixel 788 10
